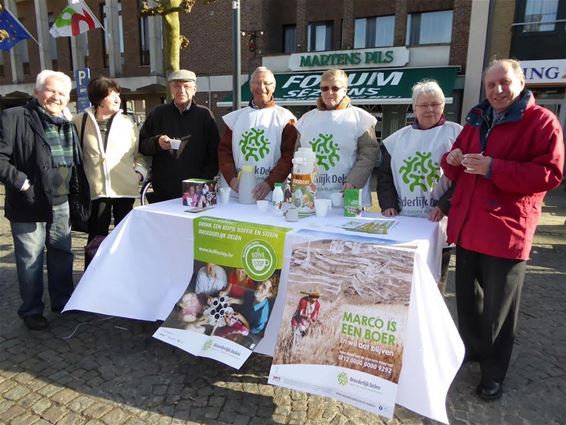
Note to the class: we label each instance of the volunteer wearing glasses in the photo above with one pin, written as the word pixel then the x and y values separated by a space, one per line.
pixel 261 134
pixel 410 181
pixel 182 119
pixel 342 136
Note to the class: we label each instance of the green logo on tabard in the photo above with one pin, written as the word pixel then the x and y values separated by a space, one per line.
pixel 259 260
pixel 342 378
pixel 254 144
pixel 420 171
pixel 326 151
pixel 207 345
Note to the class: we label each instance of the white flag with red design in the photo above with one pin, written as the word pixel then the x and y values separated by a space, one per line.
pixel 75 19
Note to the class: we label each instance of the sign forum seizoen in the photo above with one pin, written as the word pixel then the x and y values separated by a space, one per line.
pixel 359 58
pixel 365 84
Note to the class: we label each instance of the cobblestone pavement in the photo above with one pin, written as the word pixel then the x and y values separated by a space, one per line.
pixel 91 369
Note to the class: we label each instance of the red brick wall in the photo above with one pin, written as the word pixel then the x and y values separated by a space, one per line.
pixel 460 33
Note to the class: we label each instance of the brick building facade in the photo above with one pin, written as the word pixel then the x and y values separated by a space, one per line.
pixel 273 33
pixel 264 24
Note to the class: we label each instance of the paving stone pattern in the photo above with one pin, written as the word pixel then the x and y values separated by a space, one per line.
pixel 92 369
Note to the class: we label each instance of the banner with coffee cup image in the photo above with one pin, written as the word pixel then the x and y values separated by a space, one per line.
pixel 228 301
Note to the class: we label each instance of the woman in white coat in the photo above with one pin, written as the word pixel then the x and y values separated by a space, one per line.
pixel 113 166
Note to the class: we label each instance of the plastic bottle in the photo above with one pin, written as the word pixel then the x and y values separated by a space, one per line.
pixel 277 200
pixel 246 185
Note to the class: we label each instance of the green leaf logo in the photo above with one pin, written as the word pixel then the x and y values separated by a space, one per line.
pixel 207 345
pixel 326 151
pixel 420 171
pixel 254 145
pixel 343 378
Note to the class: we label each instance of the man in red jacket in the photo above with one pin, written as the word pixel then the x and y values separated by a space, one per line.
pixel 509 154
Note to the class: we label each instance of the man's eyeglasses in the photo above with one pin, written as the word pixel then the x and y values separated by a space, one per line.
pixel 430 105
pixel 332 88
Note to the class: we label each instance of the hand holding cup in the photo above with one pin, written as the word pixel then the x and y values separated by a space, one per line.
pixel 455 157
pixel 174 144
pixel 476 163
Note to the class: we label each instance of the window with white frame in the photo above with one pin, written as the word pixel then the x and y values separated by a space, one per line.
pixel 289 39
pixel 540 15
pixel 319 36
pixel 120 32
pixel 429 28
pixel 374 32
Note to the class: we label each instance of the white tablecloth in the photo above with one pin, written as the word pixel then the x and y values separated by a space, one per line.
pixel 143 267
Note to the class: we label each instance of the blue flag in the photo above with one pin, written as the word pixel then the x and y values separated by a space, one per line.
pixel 11 31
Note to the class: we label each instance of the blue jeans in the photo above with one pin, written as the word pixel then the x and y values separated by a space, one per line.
pixel 29 242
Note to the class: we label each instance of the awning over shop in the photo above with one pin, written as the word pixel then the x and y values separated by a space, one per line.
pixel 365 87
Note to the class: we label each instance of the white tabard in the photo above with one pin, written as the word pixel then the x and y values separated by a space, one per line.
pixel 256 137
pixel 333 136
pixel 415 164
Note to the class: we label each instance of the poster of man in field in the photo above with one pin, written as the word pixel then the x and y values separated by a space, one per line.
pixel 346 310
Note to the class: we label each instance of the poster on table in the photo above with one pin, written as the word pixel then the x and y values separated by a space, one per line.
pixel 344 319
pixel 229 298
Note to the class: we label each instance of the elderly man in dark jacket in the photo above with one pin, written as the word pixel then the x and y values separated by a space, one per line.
pixel 38 149
pixel 182 119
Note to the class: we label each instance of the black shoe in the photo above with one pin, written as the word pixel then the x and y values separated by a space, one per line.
pixel 57 309
pixel 36 322
pixel 490 391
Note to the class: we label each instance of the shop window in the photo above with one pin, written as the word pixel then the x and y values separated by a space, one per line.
pixel 289 39
pixel 540 15
pixel 144 40
pixel 429 28
pixel 319 36
pixel 120 33
pixel 374 32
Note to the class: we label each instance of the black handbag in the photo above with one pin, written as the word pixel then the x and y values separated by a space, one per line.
pixel 79 192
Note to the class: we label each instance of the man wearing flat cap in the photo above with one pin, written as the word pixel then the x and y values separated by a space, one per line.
pixel 181 119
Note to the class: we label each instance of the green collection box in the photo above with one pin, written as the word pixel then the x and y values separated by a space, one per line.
pixel 352 202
